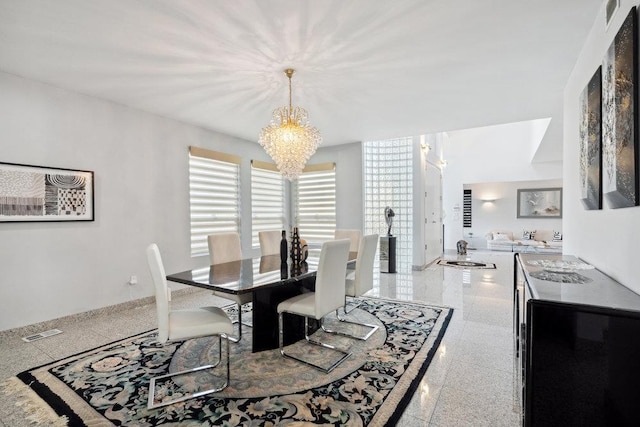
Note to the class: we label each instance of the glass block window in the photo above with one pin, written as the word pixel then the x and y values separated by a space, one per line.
pixel 314 198
pixel 214 196
pixel 388 181
pixel 267 200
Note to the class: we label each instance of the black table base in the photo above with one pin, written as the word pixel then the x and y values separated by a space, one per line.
pixel 265 314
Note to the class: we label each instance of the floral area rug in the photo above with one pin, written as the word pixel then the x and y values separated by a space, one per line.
pixel 109 385
pixel 467 265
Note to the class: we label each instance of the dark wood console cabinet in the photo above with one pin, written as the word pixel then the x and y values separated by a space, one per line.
pixel 577 348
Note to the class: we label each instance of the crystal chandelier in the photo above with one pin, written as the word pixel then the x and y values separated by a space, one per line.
pixel 289 139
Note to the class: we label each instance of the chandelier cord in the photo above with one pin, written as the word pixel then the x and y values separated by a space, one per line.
pixel 289 74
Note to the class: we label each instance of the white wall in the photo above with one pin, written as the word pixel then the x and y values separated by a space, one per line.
pixel 140 160
pixel 491 154
pixel 501 213
pixel 606 238
pixel 349 198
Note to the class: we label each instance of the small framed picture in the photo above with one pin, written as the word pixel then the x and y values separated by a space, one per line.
pixel 37 194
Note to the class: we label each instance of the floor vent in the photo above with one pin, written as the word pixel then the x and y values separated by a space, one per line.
pixel 41 335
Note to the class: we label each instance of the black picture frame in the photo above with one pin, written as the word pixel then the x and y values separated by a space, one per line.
pixel 591 143
pixel 31 193
pixel 539 203
pixel 620 117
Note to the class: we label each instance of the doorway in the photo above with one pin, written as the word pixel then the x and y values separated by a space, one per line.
pixel 433 236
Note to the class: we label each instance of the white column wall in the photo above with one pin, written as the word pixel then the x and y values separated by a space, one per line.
pixel 606 238
pixel 349 197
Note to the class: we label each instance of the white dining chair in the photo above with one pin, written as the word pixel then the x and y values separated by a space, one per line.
pixel 225 247
pixel 352 235
pixel 327 297
pixel 361 283
pixel 270 242
pixel 184 324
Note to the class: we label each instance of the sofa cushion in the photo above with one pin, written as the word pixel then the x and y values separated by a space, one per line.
pixel 502 237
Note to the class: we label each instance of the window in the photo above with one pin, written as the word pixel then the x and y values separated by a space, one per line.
pixel 388 181
pixel 214 196
pixel 466 208
pixel 314 195
pixel 267 200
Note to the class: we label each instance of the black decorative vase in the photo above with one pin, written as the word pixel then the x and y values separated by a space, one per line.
pixel 283 248
pixel 296 250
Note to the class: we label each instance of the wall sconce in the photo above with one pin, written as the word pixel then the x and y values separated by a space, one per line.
pixel 488 200
pixel 443 164
pixel 425 147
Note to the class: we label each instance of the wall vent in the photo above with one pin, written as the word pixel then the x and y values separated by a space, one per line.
pixel 40 335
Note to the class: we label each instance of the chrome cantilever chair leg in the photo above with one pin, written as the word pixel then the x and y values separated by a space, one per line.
pixel 152 385
pixel 373 328
pixel 240 323
pixel 345 354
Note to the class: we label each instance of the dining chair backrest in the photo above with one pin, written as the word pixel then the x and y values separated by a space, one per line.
pixel 224 247
pixel 270 242
pixel 352 235
pixel 330 284
pixel 162 291
pixel 363 281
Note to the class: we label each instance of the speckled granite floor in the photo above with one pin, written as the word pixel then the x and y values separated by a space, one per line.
pixel 469 382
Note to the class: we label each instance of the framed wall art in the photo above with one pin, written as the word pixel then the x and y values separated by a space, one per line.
pixel 540 203
pixel 620 117
pixel 591 143
pixel 36 193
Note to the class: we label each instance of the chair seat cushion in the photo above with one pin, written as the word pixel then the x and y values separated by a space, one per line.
pixel 198 322
pixel 237 298
pixel 303 305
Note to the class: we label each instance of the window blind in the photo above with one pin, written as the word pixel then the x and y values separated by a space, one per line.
pixel 214 196
pixel 267 200
pixel 314 195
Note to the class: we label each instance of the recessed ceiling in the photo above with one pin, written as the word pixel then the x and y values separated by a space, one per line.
pixel 365 69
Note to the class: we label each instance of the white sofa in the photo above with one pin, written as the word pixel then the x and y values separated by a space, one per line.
pixel 543 241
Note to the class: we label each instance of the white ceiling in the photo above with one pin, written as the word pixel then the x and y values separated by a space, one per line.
pixel 366 69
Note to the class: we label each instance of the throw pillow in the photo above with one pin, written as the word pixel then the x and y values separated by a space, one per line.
pixel 500 236
pixel 557 236
pixel 528 234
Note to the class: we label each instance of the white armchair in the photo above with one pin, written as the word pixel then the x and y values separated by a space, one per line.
pixel 360 284
pixel 270 242
pixel 328 296
pixel 225 247
pixel 184 324
pixel 352 235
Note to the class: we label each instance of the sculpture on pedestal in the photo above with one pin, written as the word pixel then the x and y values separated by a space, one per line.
pixel 388 217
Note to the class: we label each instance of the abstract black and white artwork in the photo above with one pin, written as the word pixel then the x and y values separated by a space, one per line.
pixel 591 143
pixel 34 193
pixel 620 116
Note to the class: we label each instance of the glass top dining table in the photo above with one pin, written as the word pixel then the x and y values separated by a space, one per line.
pixel 267 279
